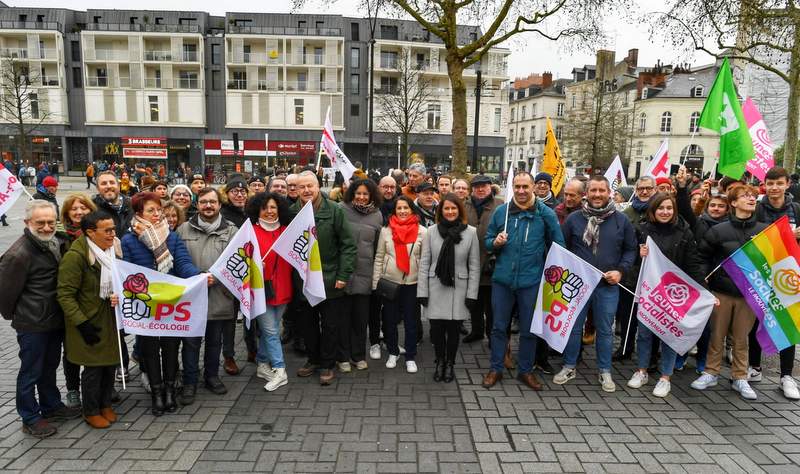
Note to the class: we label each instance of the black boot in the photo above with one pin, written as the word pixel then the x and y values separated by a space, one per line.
pixel 438 372
pixel 169 397
pixel 448 373
pixel 155 397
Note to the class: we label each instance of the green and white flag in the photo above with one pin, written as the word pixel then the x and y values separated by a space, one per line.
pixel 722 113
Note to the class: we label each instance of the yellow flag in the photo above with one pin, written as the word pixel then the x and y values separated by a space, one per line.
pixel 552 163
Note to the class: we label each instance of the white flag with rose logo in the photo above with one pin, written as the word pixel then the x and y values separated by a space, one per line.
pixel 671 304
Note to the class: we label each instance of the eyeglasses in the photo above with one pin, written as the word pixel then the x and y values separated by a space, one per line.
pixel 645 188
pixel 180 195
pixel 204 202
pixel 238 191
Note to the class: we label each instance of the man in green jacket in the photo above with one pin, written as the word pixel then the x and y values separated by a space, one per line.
pixel 337 250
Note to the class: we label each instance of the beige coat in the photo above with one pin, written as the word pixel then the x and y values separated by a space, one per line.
pixel 385 265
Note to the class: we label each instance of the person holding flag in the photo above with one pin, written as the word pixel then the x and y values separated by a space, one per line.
pixel 339 160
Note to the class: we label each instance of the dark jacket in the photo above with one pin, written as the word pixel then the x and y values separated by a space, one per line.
pixel 481 224
pixel 365 229
pixel 552 201
pixel 233 214
pixel 122 219
pixel 562 212
pixel 719 243
pixel 29 277
pixel 704 223
pixel 134 251
pixel 677 243
pixel 768 214
pixel 617 249
pixel 49 197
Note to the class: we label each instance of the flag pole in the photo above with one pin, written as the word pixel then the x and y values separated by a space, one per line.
pixel 689 146
pixel 121 366
pixel 630 317
pixel 599 271
pixel 508 205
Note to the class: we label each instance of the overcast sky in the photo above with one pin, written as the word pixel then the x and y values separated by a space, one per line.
pixel 528 54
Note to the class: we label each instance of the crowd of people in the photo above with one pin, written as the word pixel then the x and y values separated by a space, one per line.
pixel 392 250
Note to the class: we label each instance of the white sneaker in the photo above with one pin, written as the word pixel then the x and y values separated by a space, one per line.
pixel 411 367
pixel 662 388
pixel 402 349
pixel 277 379
pixel 264 371
pixel 789 386
pixel 344 367
pixel 391 362
pixel 753 374
pixel 639 378
pixel 744 389
pixel 564 375
pixel 607 383
pixel 361 365
pixel 145 382
pixel 705 381
pixel 375 351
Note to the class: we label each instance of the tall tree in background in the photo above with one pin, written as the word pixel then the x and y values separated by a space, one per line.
pixel 765 33
pixel 574 23
pixel 20 106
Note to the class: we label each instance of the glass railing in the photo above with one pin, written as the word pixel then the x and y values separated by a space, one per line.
pixel 190 56
pixel 111 55
pixel 146 27
pixel 49 80
pixel 188 83
pixel 313 60
pixel 152 83
pixel 388 63
pixel 30 25
pixel 158 55
pixel 97 81
pixel 282 30
pixel 264 85
pixel 16 53
pixel 237 84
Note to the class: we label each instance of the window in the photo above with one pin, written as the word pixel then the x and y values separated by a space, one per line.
pixel 318 55
pixel 319 25
pixel 153 100
pixel 389 32
pixel 246 53
pixel 298 111
pixel 639 148
pixel 96 19
pixel 77 78
pixel 522 114
pixel 355 85
pixel 560 109
pixel 666 122
pixel 513 115
pixel 216 56
pixel 133 20
pixel 239 80
pixel 190 52
pixel 187 21
pixel 511 135
pixel 559 131
pixel 574 97
pixel 187 80
pixel 497 115
pixel 388 85
pixel 216 80
pixel 644 93
pixel 354 110
pixel 624 99
pixel 39 18
pixel 473 37
pixel 23 18
pixel 33 100
pixel 522 135
pixel 532 136
pixel 75 48
pixel 697 91
pixel 102 77
pixel 302 81
pixel 533 110
pixel 642 122
pixel 434 116
pixel 301 24
pixel 694 121
pixel 389 59
pixel 354 31
pixel 355 57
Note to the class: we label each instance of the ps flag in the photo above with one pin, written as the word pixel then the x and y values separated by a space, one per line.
pixel 10 189
pixel 552 162
pixel 298 246
pixel 566 285
pixel 339 160
pixel 672 305
pixel 616 175
pixel 152 303
pixel 239 269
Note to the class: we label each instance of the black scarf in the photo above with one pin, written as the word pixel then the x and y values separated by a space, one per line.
pixel 446 264
pixel 479 204
pixel 364 209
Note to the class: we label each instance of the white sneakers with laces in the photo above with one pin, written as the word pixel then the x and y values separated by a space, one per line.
pixel 391 362
pixel 744 389
pixel 564 375
pixel 264 371
pixel 375 351
pixel 789 387
pixel 754 375
pixel 705 381
pixel 277 379
pixel 662 388
pixel 411 367
pixel 639 378
pixel 607 383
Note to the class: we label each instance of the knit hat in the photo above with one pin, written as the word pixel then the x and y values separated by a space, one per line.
pixel 49 181
pixel 256 179
pixel 544 177
pixel 235 182
pixel 180 186
pixel 663 180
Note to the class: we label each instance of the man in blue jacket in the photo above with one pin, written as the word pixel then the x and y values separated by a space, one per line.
pixel 605 239
pixel 521 248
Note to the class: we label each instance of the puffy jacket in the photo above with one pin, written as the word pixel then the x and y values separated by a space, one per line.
pixel 677 243
pixel 385 265
pixel 204 249
pixel 719 243
pixel 30 274
pixel 122 219
pixel 276 269
pixel 233 214
pixel 767 213
pixel 481 225
pixel 637 219
pixel 617 249
pixel 134 251
pixel 49 197
pixel 704 223
pixel 530 232
pixel 365 229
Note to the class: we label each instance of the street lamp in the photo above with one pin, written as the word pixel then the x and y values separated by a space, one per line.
pixel 373 21
pixel 477 119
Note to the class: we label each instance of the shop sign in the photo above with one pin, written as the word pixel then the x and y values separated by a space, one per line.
pixel 145 153
pixel 151 142
pixel 40 140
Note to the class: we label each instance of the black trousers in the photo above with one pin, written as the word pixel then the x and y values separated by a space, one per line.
pixel 754 353
pixel 374 322
pixel 228 337
pixel 97 385
pixel 160 358
pixel 481 315
pixel 444 335
pixel 355 309
pixel 325 333
pixel 251 336
pixel 72 374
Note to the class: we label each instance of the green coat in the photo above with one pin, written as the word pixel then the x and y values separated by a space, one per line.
pixel 78 294
pixel 337 247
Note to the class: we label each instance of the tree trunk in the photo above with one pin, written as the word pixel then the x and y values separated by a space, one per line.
pixel 793 116
pixel 455 71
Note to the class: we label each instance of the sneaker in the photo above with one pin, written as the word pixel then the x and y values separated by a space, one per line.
pixel 401 349
pixel 744 389
pixel 375 351
pixel 705 381
pixel 277 379
pixel 753 374
pixel 344 367
pixel 74 399
pixel 789 387
pixel 146 382
pixel 264 371
pixel 639 378
pixel 411 367
pixel 662 388
pixel 41 429
pixel 119 373
pixel 607 383
pixel 545 367
pixel 564 375
pixel 391 362
pixel 361 365
pixel 693 351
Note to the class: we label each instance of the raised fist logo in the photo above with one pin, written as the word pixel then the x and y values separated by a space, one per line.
pixel 569 285
pixel 301 246
pixel 237 265
pixel 134 308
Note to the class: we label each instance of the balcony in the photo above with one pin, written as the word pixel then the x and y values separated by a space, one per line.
pixel 313 60
pixel 97 81
pixel 264 85
pixel 388 62
pixel 306 86
pixel 152 82
pixel 30 25
pixel 188 83
pixel 111 55
pixel 23 53
pixel 167 56
pixel 282 30
pixel 190 56
pixel 387 90
pixel 237 84
pixel 49 81
pixel 147 27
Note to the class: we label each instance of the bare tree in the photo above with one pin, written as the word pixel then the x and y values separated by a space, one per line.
pixel 403 104
pixel 765 33
pixel 20 106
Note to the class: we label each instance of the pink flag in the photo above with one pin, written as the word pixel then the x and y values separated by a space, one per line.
pixel 763 160
pixel 10 189
pixel 659 165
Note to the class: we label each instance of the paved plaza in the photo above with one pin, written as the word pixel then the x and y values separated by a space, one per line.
pixel 383 420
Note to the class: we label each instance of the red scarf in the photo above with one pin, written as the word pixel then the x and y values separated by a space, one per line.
pixel 403 232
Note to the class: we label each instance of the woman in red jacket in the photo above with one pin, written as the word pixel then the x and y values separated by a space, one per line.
pixel 269 213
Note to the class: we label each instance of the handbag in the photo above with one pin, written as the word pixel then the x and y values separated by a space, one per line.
pixel 386 288
pixel 269 291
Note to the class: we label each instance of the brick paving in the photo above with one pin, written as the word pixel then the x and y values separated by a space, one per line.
pixel 383 420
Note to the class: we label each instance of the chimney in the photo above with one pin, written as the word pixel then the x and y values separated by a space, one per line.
pixel 604 64
pixel 633 57
pixel 547 79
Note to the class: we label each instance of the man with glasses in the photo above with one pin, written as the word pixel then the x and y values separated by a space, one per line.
pixel 291 188
pixel 543 188
pixel 388 189
pixel 28 299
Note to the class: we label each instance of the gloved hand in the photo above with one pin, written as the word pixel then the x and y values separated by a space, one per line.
pixel 89 333
pixel 423 301
pixel 471 304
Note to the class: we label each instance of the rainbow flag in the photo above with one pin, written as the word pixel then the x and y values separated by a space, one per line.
pixel 767 272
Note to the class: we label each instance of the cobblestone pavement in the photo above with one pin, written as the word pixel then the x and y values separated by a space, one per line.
pixel 383 420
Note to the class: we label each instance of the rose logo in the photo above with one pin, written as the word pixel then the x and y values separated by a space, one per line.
pixel 136 283
pixel 553 274
pixel 762 135
pixel 248 249
pixel 135 296
pixel 677 294
pixel 787 282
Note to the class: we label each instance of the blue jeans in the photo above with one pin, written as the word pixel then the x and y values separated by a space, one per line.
pixel 190 355
pixel 40 355
pixel 403 306
pixel 503 299
pixel 269 344
pixel 603 302
pixel 645 340
pixel 702 350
